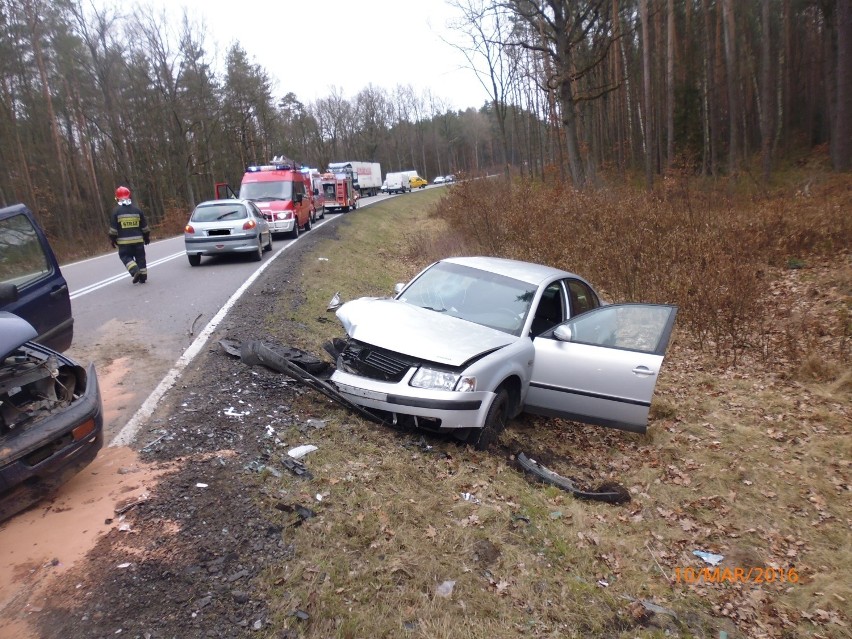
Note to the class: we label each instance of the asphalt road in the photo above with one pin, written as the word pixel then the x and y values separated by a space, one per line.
pixel 136 334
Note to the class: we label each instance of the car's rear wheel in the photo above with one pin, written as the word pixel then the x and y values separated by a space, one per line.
pixel 309 223
pixel 194 259
pixel 258 254
pixel 268 246
pixel 495 422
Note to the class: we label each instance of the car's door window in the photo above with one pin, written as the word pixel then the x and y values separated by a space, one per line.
pixel 635 327
pixel 550 310
pixel 22 258
pixel 582 297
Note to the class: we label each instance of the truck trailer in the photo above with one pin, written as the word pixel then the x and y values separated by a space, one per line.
pixel 366 176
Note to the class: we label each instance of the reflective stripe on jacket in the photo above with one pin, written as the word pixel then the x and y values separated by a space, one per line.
pixel 127 225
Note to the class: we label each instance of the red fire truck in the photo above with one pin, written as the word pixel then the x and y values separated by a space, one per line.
pixel 283 193
pixel 339 191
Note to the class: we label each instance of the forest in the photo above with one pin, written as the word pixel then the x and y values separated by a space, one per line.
pixel 583 92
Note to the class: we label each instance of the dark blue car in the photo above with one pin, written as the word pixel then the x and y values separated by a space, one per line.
pixel 31 283
pixel 51 415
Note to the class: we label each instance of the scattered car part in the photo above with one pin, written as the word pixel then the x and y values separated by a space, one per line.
pixel 255 352
pixel 611 493
pixel 296 467
pixel 51 417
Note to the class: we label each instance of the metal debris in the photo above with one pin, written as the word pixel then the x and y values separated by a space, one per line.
pixel 612 494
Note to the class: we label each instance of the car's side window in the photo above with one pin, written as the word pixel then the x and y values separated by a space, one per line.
pixel 582 297
pixel 550 310
pixel 23 260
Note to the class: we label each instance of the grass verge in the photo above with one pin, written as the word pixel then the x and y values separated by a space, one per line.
pixel 420 537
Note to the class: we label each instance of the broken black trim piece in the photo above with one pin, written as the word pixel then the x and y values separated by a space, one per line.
pixel 614 495
pixel 255 352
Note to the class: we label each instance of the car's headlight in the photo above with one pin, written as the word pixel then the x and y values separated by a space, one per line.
pixel 433 379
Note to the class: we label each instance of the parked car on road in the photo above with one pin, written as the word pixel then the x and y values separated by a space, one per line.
pixel 226 226
pixel 417 182
pixel 471 342
pixel 51 417
pixel 438 180
pixel 31 283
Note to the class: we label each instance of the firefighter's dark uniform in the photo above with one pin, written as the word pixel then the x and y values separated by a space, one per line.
pixel 129 231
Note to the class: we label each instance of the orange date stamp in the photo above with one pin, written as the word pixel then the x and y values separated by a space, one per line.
pixel 738 574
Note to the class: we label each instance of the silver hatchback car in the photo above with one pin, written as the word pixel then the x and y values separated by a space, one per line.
pixel 471 342
pixel 226 226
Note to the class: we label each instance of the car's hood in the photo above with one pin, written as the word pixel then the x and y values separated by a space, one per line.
pixel 418 332
pixel 14 331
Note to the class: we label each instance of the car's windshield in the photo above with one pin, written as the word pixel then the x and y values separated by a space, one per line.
pixel 267 191
pixel 219 212
pixel 474 295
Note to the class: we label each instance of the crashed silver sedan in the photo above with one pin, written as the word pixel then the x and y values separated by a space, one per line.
pixel 472 341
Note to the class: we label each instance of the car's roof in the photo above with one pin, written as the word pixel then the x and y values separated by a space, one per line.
pixel 524 271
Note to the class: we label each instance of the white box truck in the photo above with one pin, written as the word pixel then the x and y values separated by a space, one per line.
pixel 366 176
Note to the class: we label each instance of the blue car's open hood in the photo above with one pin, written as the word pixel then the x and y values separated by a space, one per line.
pixel 14 331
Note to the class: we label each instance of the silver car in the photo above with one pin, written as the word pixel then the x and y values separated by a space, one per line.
pixel 226 226
pixel 471 342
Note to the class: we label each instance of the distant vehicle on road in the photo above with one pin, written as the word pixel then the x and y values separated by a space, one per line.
pixel 226 226
pixel 397 183
pixel 283 193
pixel 366 176
pixel 438 180
pixel 417 182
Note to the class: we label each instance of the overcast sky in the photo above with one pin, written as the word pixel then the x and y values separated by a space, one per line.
pixel 309 46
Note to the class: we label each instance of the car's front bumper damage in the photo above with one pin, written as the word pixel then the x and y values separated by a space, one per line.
pixel 444 409
pixel 51 424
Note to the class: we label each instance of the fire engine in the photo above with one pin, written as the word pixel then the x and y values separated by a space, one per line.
pixel 339 191
pixel 283 193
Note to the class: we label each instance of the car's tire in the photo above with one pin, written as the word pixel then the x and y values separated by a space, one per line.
pixel 194 259
pixel 322 215
pixel 257 255
pixel 346 209
pixel 268 246
pixel 495 422
pixel 294 234
pixel 309 224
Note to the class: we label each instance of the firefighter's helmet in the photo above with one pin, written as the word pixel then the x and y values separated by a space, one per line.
pixel 122 193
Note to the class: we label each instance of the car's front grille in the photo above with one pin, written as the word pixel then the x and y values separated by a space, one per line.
pixel 376 363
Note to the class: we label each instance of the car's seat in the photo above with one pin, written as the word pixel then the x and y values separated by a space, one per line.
pixel 549 311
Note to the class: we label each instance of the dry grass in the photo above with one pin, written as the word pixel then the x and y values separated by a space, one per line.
pixel 750 460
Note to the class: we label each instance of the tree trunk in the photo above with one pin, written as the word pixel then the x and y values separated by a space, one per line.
pixel 767 111
pixel 841 137
pixel 648 106
pixel 729 30
pixel 670 84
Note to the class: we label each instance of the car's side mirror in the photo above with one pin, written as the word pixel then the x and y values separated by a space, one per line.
pixel 397 288
pixel 8 293
pixel 563 333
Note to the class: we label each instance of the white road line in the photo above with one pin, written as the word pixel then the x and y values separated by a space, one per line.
pixel 115 278
pixel 127 434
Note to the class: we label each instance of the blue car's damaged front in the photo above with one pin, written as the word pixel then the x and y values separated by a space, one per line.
pixel 51 417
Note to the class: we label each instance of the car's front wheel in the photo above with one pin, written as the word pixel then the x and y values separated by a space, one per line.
pixel 194 259
pixel 495 422
pixel 294 234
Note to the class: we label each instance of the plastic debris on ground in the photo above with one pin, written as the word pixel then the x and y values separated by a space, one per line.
pixel 709 557
pixel 201 485
pixel 471 498
pixel 445 589
pixel 300 451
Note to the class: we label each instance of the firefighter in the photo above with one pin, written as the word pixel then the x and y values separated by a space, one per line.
pixel 129 231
